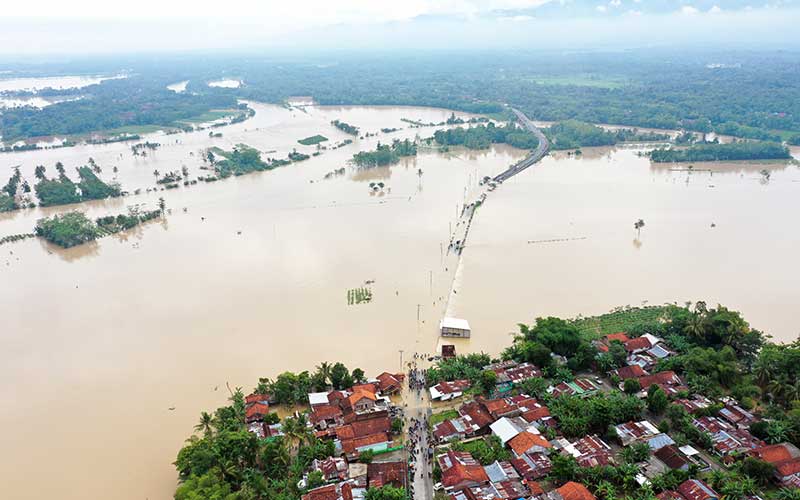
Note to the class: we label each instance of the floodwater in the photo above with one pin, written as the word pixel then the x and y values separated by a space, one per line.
pixel 226 83
pixel 99 342
pixel 53 82
pixel 178 87
pixel 724 236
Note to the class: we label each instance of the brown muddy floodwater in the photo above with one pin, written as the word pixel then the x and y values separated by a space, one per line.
pixel 99 342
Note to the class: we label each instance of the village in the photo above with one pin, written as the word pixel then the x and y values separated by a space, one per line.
pixel 500 437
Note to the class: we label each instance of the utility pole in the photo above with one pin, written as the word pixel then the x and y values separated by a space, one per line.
pixel 401 359
pixel 430 274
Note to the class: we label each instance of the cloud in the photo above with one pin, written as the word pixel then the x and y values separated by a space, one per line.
pixel 615 3
pixel 688 10
pixel 601 8
pixel 714 10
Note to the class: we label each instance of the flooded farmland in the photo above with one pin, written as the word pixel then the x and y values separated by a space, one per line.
pixel 248 277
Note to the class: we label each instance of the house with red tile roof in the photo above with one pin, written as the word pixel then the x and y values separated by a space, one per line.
pixel 256 412
pixel 258 398
pixel 532 466
pixel 381 474
pixel 637 344
pixel 332 468
pixel 338 491
pixel 604 343
pixel 630 371
pixel 446 390
pixel 788 471
pixel 390 383
pixel 632 432
pixel 727 439
pixel 460 471
pixel 326 416
pixel 574 491
pixel 737 415
pixel 478 414
pixel 672 457
pixel 579 387
pixel 526 442
pixel 455 429
pixel 775 453
pixel 662 379
pixel 695 489
pixel 360 401
pixel 589 451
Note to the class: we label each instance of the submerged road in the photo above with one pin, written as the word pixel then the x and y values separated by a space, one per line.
pixel 536 155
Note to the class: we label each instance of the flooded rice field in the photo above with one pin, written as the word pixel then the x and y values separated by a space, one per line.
pixel 248 277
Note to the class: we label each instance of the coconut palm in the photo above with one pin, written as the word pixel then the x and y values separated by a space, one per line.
pixel 324 371
pixel 297 431
pixel 638 225
pixel 764 371
pixel 205 423
pixel 788 494
pixel 696 326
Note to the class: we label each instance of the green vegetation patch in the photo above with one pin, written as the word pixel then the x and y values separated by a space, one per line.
pixel 62 190
pixel 723 152
pixel 582 80
pixel 74 228
pixel 573 134
pixel 442 416
pixel 211 115
pixel 314 139
pixel 361 295
pixel 385 154
pixel 345 127
pixel 483 136
pixel 619 320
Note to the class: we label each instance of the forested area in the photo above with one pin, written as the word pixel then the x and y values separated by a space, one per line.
pixel 385 154
pixel 754 96
pixel 722 152
pixel 573 134
pixel 483 136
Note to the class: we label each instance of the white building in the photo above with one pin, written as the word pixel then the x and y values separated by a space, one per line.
pixel 455 327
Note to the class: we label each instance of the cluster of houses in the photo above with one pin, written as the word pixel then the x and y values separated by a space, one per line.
pixel 355 420
pixel 522 424
pixel 350 481
pixel 645 351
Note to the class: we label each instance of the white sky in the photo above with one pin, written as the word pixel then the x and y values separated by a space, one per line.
pixel 108 26
pixel 311 11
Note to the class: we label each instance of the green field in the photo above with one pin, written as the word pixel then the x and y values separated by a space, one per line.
pixel 314 139
pixel 441 417
pixel 620 320
pixel 582 80
pixel 135 129
pixel 210 116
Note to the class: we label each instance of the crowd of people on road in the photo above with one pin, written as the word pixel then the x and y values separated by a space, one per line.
pixel 420 454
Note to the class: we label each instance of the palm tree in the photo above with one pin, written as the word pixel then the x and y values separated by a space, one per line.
pixel 792 391
pixel 204 425
pixel 605 490
pixel 788 494
pixel 324 371
pixel 638 225
pixel 777 432
pixel 764 371
pixel 696 326
pixel 776 389
pixel 297 431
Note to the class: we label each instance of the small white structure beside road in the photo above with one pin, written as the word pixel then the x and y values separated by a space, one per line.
pixel 455 327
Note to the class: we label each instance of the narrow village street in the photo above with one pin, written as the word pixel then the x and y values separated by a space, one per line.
pixel 417 412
